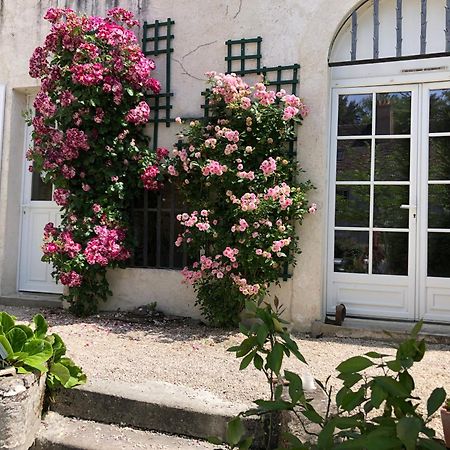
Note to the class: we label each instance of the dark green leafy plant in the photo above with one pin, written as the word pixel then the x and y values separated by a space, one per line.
pixel 376 408
pixel 31 350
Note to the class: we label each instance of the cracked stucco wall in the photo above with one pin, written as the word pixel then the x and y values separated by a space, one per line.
pixel 293 31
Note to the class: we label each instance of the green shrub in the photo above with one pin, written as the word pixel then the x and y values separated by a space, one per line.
pixel 31 350
pixel 373 411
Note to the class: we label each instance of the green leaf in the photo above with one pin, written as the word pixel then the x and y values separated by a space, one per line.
pixel 246 443
pixel 258 362
pixel 59 348
pixel 41 326
pixel 275 358
pixel 262 333
pixel 311 414
pixel 77 376
pixel 350 379
pixel 352 399
pixel 295 386
pixel 38 353
pixel 417 328
pixel 435 400
pixel 6 345
pixel 430 444
pixel 354 364
pixel 235 431
pixel 247 360
pixel 408 429
pixel 26 329
pixel 325 439
pixel 60 372
pixel 375 355
pixel 6 321
pixel 16 338
pixel 392 387
pixel 406 380
pixel 214 440
pixel 378 395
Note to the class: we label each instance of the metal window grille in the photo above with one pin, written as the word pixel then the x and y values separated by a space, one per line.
pixel 154 223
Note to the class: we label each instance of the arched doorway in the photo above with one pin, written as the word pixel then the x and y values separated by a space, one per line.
pixel 389 233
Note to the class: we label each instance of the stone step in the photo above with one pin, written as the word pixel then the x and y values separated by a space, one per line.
pixel 63 433
pixel 155 406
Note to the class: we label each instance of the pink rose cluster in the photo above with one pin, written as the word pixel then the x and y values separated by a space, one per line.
pixel 149 178
pixel 106 247
pixel 233 90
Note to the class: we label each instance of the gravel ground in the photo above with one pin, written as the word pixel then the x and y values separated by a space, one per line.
pixel 184 352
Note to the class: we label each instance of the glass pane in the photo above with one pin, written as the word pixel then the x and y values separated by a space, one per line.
pixel 353 160
pixel 387 212
pixel 393 115
pixel 390 253
pixel 439 206
pixel 439 161
pixel 439 110
pixel 355 115
pixel 40 191
pixel 392 159
pixel 352 206
pixel 351 251
pixel 438 251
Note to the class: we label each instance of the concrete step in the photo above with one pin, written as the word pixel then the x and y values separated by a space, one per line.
pixel 155 406
pixel 63 433
pixel 381 330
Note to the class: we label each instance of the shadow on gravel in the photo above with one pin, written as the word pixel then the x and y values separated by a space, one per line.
pixel 164 328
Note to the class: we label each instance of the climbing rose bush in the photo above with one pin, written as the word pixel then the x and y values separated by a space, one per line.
pixel 242 190
pixel 88 141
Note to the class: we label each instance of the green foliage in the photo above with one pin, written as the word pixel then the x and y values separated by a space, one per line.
pixel 31 350
pixel 375 409
pixel 243 194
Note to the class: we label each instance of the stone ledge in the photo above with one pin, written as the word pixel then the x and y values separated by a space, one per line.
pixel 380 331
pixel 21 399
pixel 32 300
pixel 62 433
pixel 153 405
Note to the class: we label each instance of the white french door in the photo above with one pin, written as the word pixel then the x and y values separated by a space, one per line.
pixel 389 234
pixel 38 209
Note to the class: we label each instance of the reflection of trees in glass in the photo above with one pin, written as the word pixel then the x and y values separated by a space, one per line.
pixel 392 159
pixel 439 110
pixel 390 253
pixel 438 255
pixel 393 113
pixel 439 158
pixel 353 160
pixel 352 206
pixel 355 115
pixel 387 212
pixel 439 206
pixel 351 251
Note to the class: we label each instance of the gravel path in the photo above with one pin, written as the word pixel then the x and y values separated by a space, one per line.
pixel 187 353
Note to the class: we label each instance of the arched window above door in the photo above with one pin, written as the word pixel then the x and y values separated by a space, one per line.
pixel 391 30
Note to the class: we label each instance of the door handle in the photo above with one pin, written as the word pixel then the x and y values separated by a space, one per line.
pixel 408 207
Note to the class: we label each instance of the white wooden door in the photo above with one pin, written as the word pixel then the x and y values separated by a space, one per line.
pixel 434 260
pixel 38 209
pixel 389 253
pixel 373 229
